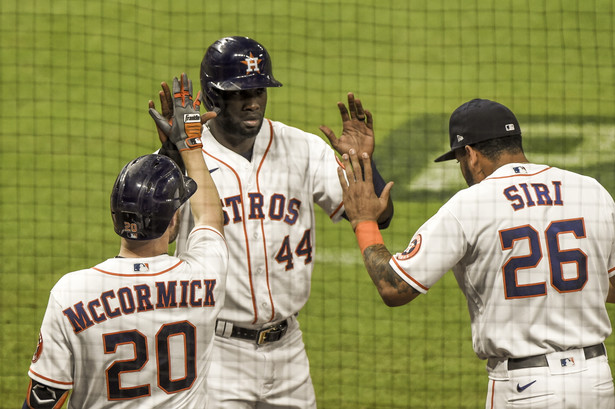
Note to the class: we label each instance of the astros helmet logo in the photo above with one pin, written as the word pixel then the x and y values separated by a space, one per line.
pixel 252 63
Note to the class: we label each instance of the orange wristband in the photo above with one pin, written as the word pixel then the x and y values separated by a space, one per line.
pixel 368 234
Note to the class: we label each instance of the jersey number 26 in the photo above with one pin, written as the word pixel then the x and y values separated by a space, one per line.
pixel 556 257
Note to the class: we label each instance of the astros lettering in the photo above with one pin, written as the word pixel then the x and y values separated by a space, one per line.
pixel 126 300
pixel 279 208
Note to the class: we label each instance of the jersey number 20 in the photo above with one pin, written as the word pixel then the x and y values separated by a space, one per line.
pixel 557 258
pixel 141 356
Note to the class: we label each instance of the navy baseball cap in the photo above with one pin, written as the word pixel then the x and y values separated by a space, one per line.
pixel 476 121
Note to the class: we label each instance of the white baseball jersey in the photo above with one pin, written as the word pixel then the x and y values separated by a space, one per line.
pixel 135 332
pixel 268 206
pixel 532 248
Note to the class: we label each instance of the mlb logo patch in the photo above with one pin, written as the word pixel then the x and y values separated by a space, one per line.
pixel 519 169
pixel 510 127
pixel 141 267
pixel 567 362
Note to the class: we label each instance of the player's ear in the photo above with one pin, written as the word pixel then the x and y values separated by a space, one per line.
pixel 471 155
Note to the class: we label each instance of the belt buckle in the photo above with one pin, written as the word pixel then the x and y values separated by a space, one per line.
pixel 262 334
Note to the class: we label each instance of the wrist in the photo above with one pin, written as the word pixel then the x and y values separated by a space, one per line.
pixel 189 144
pixel 368 234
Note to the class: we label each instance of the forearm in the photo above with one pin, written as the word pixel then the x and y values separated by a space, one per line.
pixel 205 203
pixel 379 184
pixel 393 290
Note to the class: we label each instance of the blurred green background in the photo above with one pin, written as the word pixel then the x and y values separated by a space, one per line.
pixel 76 77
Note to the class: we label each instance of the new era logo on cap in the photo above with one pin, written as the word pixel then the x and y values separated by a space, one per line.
pixel 459 138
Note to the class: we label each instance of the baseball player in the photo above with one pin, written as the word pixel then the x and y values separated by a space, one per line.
pixel 532 248
pixel 269 177
pixel 135 331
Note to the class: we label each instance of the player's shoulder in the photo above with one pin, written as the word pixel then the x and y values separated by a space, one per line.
pixel 72 282
pixel 288 131
pixel 582 181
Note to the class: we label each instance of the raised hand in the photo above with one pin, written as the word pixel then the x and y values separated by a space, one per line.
pixel 357 129
pixel 166 105
pixel 361 203
pixel 184 128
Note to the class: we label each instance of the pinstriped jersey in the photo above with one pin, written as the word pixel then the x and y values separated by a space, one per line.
pixel 135 332
pixel 532 248
pixel 268 206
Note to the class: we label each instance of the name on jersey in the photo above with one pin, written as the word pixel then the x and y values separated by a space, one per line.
pixel 139 298
pixel 525 195
pixel 278 208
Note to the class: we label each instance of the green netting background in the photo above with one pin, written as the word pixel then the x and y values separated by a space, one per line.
pixel 76 76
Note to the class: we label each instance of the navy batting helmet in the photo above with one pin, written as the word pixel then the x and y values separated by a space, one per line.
pixel 146 195
pixel 232 64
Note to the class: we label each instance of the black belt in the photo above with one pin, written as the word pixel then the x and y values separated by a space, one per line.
pixel 263 335
pixel 537 361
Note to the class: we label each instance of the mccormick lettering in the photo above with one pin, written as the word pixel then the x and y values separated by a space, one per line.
pixel 139 298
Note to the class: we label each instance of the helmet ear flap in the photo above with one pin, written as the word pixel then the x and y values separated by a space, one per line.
pixel 212 99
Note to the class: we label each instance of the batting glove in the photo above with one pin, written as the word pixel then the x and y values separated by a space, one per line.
pixel 184 128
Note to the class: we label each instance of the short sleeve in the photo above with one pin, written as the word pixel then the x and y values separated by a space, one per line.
pixel 327 189
pixel 437 246
pixel 53 360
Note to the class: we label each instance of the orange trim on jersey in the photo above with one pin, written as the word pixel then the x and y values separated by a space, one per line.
pixel 245 231
pixel 138 275
pixel 336 210
pixel 518 174
pixel 492 393
pixel 408 275
pixel 50 379
pixel 610 270
pixel 258 189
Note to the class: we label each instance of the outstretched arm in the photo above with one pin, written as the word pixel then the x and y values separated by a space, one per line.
pixel 358 135
pixel 184 132
pixel 363 207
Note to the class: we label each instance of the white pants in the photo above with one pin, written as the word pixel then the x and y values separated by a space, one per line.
pixel 569 382
pixel 276 375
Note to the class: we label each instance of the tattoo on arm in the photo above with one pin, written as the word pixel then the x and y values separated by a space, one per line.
pixel 376 260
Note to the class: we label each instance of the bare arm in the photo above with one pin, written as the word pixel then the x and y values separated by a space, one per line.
pixel 363 207
pixel 393 290
pixel 205 203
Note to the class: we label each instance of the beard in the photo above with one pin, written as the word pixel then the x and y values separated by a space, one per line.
pixel 467 175
pixel 237 128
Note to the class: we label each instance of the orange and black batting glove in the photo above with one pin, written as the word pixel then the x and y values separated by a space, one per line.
pixel 184 129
